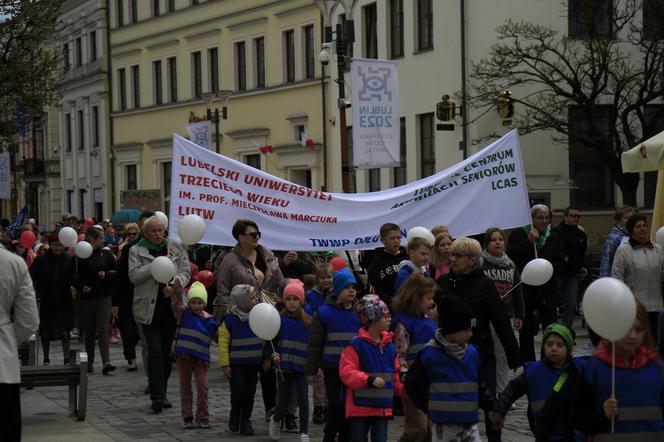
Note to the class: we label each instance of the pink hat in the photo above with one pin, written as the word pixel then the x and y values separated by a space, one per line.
pixel 295 287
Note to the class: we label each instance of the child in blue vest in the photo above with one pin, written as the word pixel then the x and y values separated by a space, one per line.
pixel 313 301
pixel 413 329
pixel 370 370
pixel 443 381
pixel 549 384
pixel 240 355
pixel 192 351
pixel 418 260
pixel 331 330
pixel 289 355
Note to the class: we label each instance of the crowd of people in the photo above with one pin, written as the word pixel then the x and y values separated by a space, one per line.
pixel 434 330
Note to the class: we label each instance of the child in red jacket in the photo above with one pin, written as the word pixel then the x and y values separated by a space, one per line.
pixel 370 370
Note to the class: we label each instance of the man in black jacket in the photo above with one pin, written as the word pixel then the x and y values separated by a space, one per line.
pixel 573 271
pixel 385 263
pixel 522 245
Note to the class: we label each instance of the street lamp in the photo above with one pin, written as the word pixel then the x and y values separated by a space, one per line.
pixel 213 115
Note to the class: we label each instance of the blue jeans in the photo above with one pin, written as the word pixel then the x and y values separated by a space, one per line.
pixel 568 286
pixel 159 336
pixel 299 380
pixel 360 427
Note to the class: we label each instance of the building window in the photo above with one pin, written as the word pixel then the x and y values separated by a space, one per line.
pixel 122 89
pixel 350 178
pixel 120 13
pixel 240 66
pixel 93 45
pixel 427 146
pixel 171 8
pixel 591 175
pixel 213 63
pixel 590 18
pixel 166 168
pixel 130 175
pixel 196 74
pixel 70 201
pixel 172 80
pixel 135 86
pixel 81 130
pixel 78 46
pixel 309 52
pixel 396 28
pixel 155 8
pixel 400 172
pixel 95 126
pixel 370 32
pixel 253 160
pixel 68 132
pixel 134 11
pixel 65 57
pixel 259 49
pixel 83 200
pixel 425 25
pixel 653 19
pixel 374 180
pixel 289 55
pixel 156 80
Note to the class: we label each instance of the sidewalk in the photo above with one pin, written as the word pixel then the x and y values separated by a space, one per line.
pixel 118 410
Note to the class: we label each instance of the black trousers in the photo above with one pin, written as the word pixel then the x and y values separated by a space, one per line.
pixel 336 408
pixel 129 332
pixel 546 315
pixel 243 389
pixel 10 412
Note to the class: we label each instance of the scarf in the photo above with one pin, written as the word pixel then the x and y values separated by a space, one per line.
pixel 237 311
pixel 497 261
pixel 543 236
pixel 143 242
pixel 455 350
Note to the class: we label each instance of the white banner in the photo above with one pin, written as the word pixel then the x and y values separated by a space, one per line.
pixel 376 128
pixel 5 177
pixel 485 190
pixel 201 133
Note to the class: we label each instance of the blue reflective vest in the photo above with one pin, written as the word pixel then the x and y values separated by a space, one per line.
pixel 340 326
pixel 638 391
pixel 453 388
pixel 245 347
pixel 376 362
pixel 293 337
pixel 315 300
pixel 541 379
pixel 421 331
pixel 194 335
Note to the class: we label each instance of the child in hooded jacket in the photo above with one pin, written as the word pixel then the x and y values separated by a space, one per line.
pixel 418 260
pixel 332 328
pixel 369 368
pixel 192 352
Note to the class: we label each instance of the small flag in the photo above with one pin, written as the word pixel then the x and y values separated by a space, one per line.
pixel 306 141
pixel 266 149
pixel 16 224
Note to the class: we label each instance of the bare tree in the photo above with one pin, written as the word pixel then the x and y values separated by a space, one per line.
pixel 29 68
pixel 612 70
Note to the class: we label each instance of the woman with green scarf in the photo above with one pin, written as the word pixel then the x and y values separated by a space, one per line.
pixel 152 308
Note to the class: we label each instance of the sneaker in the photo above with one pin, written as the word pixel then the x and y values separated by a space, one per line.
pixel 291 423
pixel 203 423
pixel 107 369
pixel 188 423
pixel 319 416
pixel 113 340
pixel 246 429
pixel 304 437
pixel 274 429
pixel 166 403
pixel 47 361
pixel 156 406
pixel 234 422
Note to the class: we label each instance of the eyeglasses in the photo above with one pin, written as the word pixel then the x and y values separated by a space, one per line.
pixel 575 215
pixel 132 233
pixel 254 235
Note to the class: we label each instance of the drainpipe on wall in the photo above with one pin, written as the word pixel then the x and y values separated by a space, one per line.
pixel 109 79
pixel 324 103
pixel 464 102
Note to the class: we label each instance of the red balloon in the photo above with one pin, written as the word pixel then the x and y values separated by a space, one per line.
pixel 338 263
pixel 205 277
pixel 193 269
pixel 28 239
pixel 81 237
pixel 89 222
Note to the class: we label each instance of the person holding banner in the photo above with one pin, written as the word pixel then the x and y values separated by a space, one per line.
pixel 636 407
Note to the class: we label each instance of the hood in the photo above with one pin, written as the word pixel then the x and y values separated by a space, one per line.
pixel 642 356
pixel 407 263
pixel 385 337
pixel 332 300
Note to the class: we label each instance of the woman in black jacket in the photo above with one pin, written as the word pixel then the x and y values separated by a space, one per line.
pixel 93 279
pixel 467 282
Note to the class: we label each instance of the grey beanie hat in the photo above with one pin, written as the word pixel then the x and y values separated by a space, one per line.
pixel 241 294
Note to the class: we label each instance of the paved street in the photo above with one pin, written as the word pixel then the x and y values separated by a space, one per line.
pixel 118 410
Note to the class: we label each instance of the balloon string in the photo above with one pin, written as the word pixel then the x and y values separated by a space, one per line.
pixel 277 366
pixel 510 290
pixel 613 381
pixel 535 248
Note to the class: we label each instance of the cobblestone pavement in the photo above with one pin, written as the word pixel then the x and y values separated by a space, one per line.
pixel 118 410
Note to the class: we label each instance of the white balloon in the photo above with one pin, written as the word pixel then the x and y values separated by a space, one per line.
pixel 610 308
pixel 421 232
pixel 659 236
pixel 537 272
pixel 162 269
pixel 162 217
pixel 83 249
pixel 68 237
pixel 191 229
pixel 264 321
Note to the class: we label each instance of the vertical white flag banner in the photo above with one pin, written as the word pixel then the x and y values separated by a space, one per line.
pixel 376 130
pixel 5 178
pixel 201 133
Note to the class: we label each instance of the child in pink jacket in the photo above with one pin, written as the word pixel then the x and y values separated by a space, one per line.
pixel 370 370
